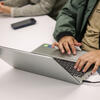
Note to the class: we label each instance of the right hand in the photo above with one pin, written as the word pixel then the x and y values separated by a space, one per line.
pixel 5 9
pixel 67 43
pixel 1 3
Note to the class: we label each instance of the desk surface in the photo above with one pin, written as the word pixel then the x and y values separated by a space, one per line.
pixel 20 85
pixel 27 38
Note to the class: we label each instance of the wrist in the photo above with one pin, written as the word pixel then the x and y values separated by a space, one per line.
pixel 6 9
pixel 98 51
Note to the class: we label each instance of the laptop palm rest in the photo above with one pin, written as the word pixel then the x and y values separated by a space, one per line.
pixel 47 50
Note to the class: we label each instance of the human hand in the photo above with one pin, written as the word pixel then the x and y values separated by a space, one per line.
pixel 1 3
pixel 67 43
pixel 4 9
pixel 88 59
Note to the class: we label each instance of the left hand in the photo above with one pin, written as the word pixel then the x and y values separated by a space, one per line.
pixel 5 9
pixel 89 58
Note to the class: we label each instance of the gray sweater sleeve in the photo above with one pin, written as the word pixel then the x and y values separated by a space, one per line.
pixel 16 3
pixel 41 8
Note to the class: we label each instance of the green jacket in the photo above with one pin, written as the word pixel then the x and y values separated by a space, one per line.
pixel 73 18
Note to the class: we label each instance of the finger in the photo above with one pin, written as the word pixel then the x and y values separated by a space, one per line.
pixel 55 44
pixel 2 3
pixel 77 63
pixel 71 44
pixel 76 43
pixel 87 66
pixel 1 11
pixel 95 68
pixel 61 47
pixel 66 46
pixel 80 65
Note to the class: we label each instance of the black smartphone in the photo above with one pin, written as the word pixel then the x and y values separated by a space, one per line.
pixel 23 23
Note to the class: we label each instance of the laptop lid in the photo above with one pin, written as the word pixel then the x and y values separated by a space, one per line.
pixel 36 63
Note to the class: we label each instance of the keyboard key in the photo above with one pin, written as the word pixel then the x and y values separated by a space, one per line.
pixel 69 66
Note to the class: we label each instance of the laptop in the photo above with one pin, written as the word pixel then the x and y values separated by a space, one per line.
pixel 46 61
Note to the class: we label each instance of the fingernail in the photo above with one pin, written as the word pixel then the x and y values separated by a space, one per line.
pixel 62 51
pixel 69 53
pixel 75 67
pixel 78 69
pixel 92 72
pixel 83 71
pixel 74 53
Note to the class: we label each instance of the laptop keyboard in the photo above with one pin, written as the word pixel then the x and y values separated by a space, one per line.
pixel 69 66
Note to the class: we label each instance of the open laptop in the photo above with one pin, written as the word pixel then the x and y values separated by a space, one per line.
pixel 46 61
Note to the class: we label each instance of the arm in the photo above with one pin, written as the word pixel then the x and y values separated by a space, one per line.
pixel 41 8
pixel 66 21
pixel 65 28
pixel 15 3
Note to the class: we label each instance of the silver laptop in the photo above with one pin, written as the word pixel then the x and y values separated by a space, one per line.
pixel 46 61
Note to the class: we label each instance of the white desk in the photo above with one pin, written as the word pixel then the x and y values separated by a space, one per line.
pixel 20 85
pixel 26 38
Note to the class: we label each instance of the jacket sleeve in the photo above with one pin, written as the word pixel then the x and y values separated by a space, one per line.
pixel 41 8
pixel 16 3
pixel 66 20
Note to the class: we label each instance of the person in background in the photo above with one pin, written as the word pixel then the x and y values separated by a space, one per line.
pixel 78 24
pixel 18 8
